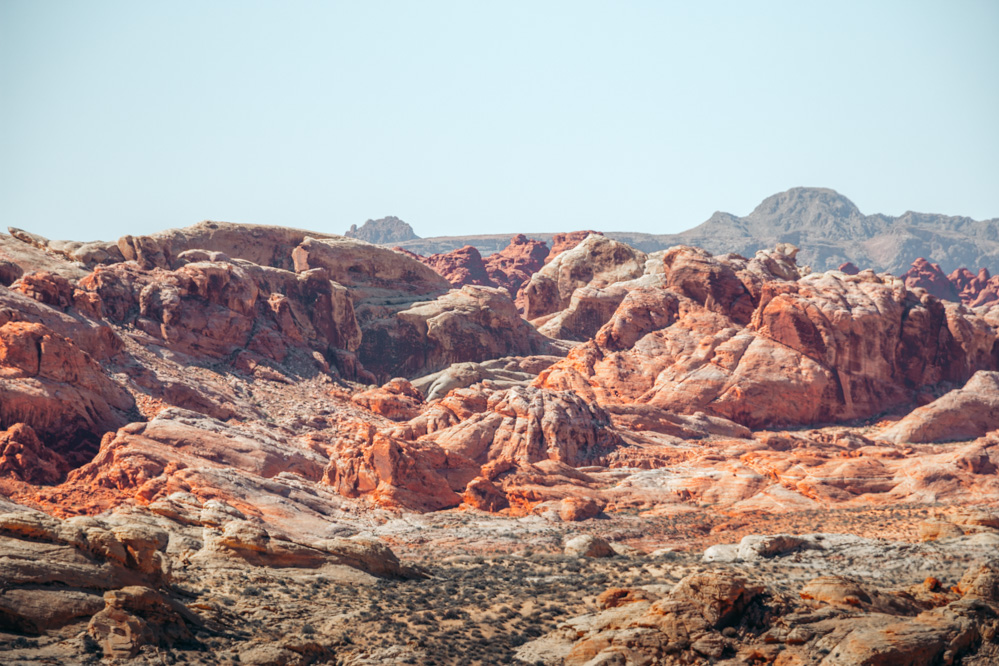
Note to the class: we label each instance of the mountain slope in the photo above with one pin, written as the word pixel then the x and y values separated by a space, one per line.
pixel 829 228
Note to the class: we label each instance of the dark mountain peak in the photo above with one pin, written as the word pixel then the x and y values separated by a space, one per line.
pixel 385 230
pixel 806 205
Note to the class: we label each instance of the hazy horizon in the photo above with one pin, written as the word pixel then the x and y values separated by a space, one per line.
pixel 125 117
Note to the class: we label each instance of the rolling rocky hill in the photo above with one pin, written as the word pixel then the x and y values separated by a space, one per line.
pixel 261 445
pixel 827 226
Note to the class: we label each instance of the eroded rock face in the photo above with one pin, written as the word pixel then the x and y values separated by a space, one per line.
pixel 460 267
pixel 929 276
pixel 215 308
pixel 56 571
pixel 420 476
pixel 368 270
pixel 470 324
pixel 514 265
pixel 507 269
pixel 177 449
pixel 567 241
pixel 532 425
pixel 56 388
pixel 975 289
pixel 23 456
pixel 734 338
pixel 397 400
pixel 596 261
pixel 963 414
pixel 89 253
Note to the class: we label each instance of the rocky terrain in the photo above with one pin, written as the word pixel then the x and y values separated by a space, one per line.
pixel 828 227
pixel 250 444
pixel 385 230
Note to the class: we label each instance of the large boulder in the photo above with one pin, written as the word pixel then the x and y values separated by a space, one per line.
pixel 469 324
pixel 597 261
pixel 929 276
pixel 460 267
pixel 962 414
pixel 416 475
pixel 514 265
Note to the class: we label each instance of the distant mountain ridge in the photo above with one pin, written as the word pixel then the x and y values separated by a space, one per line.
pixel 827 226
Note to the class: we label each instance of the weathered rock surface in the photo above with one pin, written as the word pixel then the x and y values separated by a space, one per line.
pixel 596 261
pixel 461 267
pixel 567 241
pixel 89 253
pixel 725 615
pixel 260 244
pixel 963 414
pixel 734 338
pixel 587 545
pixel 499 374
pixel 23 456
pixel 57 389
pixel 385 230
pixel 928 276
pixel 514 265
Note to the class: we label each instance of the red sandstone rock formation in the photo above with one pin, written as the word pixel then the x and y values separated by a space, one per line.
pixel 963 414
pixel 930 277
pixel 748 335
pixel 596 262
pixel 961 285
pixel 968 284
pixel 202 367
pixel 24 457
pixel 849 268
pixel 57 389
pixel 397 400
pixel 508 269
pixel 514 265
pixel 460 267
pixel 566 241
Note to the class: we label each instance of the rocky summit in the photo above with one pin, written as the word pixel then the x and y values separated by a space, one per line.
pixel 262 445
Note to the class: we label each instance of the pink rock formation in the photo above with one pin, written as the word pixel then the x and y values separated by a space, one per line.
pixel 397 400
pixel 596 262
pixel 930 277
pixel 745 337
pixel 514 265
pixel 566 241
pixel 963 414
pixel 460 267
pixel 24 457
pixel 58 390
pixel 849 268
pixel 968 284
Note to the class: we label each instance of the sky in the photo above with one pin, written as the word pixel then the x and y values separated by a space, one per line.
pixel 488 117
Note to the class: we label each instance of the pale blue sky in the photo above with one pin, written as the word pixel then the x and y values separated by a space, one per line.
pixel 476 117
